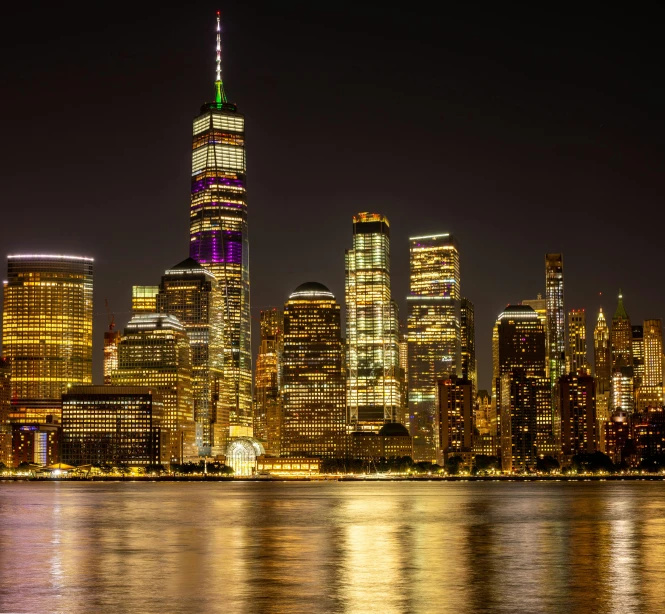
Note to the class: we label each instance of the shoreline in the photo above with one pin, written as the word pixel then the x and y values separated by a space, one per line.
pixel 333 478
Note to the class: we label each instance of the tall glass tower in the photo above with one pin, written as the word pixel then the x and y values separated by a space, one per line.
pixel 373 389
pixel 555 316
pixel 219 238
pixel 47 331
pixel 434 336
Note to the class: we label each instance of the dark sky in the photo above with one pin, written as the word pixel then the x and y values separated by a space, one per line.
pixel 519 132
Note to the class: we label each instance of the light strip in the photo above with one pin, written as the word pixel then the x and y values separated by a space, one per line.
pixel 445 234
pixel 53 256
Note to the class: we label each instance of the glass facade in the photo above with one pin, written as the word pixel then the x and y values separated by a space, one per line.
pixel 313 384
pixel 144 299
pixel 155 352
pixel 191 293
pixel 372 329
pixel 113 425
pixel 577 348
pixel 468 343
pixel 47 331
pixel 268 382
pixel 219 237
pixel 434 331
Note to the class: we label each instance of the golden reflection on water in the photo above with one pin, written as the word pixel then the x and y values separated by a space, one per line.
pixel 333 547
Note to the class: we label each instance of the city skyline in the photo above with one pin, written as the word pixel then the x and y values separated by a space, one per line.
pixel 78 228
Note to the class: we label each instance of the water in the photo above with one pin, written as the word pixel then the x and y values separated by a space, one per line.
pixel 332 547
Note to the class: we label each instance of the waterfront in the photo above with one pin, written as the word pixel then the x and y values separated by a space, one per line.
pixel 332 547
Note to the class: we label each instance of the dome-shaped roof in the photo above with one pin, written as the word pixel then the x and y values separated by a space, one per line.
pixel 311 289
pixel 393 429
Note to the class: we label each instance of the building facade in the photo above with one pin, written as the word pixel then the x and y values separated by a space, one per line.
pixel 268 382
pixel 434 332
pixel 5 406
pixel 113 425
pixel 47 331
pixel 219 238
pixel 373 390
pixel 313 380
pixel 556 331
pixel 455 419
pixel 144 299
pixel 577 346
pixel 469 368
pixel 155 352
pixel 650 393
pixel 576 398
pixel 193 295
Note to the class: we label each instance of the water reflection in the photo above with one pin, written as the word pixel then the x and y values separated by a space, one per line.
pixel 333 547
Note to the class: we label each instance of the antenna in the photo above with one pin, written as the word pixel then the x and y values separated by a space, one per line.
pixel 220 95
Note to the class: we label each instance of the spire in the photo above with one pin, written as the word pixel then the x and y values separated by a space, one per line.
pixel 220 96
pixel 620 313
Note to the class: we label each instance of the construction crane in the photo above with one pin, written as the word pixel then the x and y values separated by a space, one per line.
pixel 110 316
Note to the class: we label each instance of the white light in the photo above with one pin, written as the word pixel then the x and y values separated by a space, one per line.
pixel 54 256
pixel 445 234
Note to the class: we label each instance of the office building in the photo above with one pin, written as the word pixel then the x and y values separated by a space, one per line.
pixel 555 316
pixel 192 294
pixel 144 299
pixel 5 406
pixel 111 340
pixel 313 380
pixel 36 443
pixel 602 367
pixel 219 238
pixel 113 425
pixel 621 337
pixel 47 331
pixel 455 420
pixel 577 347
pixel 373 391
pixel 576 398
pixel 155 352
pixel 434 332
pixel 268 382
pixel 650 393
pixel 468 343
pixel 485 425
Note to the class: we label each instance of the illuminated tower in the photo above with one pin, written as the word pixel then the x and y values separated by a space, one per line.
pixel 144 299
pixel 154 351
pixel 577 349
pixel 373 391
pixel 637 351
pixel 468 344
pixel 47 331
pixel 191 293
pixel 651 390
pixel 219 239
pixel 602 369
pixel 267 382
pixel 555 316
pixel 111 340
pixel 621 337
pixel 313 374
pixel 434 342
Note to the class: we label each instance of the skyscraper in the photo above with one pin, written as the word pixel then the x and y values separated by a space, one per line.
pixel 268 382
pixel 154 352
pixel 602 369
pixel 468 343
pixel 555 316
pixel 577 348
pixel 373 390
pixel 5 404
pixel 621 337
pixel 650 393
pixel 313 374
pixel 144 299
pixel 192 294
pixel 47 331
pixel 576 397
pixel 219 237
pixel 455 419
pixel 434 336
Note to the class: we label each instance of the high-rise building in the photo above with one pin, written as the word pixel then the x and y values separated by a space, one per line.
pixel 637 349
pixel 111 340
pixel 519 348
pixel 219 237
pixel 602 369
pixel 576 397
pixel 577 348
pixel 621 337
pixel 555 316
pixel 455 419
pixel 144 299
pixel 192 294
pixel 434 336
pixel 622 394
pixel 468 343
pixel 268 382
pixel 113 425
pixel 403 378
pixel 313 381
pixel 155 352
pixel 47 331
pixel 373 391
pixel 5 404
pixel 651 390
pixel 485 424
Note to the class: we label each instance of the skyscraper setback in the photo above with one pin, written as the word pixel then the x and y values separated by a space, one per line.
pixel 373 390
pixel 219 237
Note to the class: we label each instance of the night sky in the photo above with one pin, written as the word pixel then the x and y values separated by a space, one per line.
pixel 518 132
